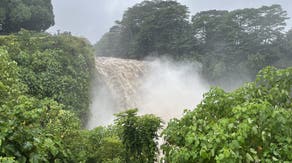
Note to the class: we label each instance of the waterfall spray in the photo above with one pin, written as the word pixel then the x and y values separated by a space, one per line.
pixel 159 87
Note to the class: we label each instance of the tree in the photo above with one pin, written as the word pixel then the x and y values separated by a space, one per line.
pixel 111 44
pixel 244 40
pixel 139 135
pixel 285 44
pixel 152 28
pixel 56 67
pixel 34 15
pixel 251 124
pixel 31 129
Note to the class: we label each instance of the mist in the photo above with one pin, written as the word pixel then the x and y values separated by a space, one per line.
pixel 102 107
pixel 169 88
pixel 165 89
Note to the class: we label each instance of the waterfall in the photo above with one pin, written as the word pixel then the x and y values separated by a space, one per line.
pixel 122 78
pixel 115 88
pixel 159 87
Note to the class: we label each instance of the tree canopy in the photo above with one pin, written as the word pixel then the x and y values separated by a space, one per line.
pixel 57 67
pixel 250 124
pixel 150 28
pixel 139 136
pixel 45 83
pixel 228 44
pixel 240 40
pixel 34 15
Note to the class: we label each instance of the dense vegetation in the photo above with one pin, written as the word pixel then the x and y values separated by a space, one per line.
pixel 45 82
pixel 250 124
pixel 55 67
pixel 229 44
pixel 44 90
pixel 149 28
pixel 34 15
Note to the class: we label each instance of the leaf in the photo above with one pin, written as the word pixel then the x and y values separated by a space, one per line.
pixel 203 154
pixel 253 151
pixel 249 157
pixel 275 159
pixel 27 146
pixel 35 158
pixel 254 129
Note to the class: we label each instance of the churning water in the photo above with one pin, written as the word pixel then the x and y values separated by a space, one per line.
pixel 159 87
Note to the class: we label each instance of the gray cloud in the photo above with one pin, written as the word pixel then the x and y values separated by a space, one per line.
pixel 92 18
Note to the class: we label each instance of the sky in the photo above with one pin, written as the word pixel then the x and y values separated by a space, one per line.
pixel 93 18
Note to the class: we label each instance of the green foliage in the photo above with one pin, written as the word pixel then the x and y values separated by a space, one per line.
pixel 110 44
pixel 251 124
pixel 106 145
pixel 229 44
pixel 240 41
pixel 28 14
pixel 98 145
pixel 45 81
pixel 7 160
pixel 43 76
pixel 30 128
pixel 57 67
pixel 286 59
pixel 139 135
pixel 9 83
pixel 150 28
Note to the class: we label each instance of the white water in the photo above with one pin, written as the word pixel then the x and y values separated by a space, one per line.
pixel 158 87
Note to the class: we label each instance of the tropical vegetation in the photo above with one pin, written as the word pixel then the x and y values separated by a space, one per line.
pixel 45 83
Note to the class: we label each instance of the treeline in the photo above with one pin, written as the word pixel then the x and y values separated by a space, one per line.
pixel 228 44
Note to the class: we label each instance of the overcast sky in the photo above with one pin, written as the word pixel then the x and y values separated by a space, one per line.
pixel 92 18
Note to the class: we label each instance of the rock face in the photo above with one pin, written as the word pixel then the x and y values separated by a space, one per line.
pixel 122 78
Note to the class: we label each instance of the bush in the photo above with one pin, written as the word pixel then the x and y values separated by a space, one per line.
pixel 57 67
pixel 251 124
